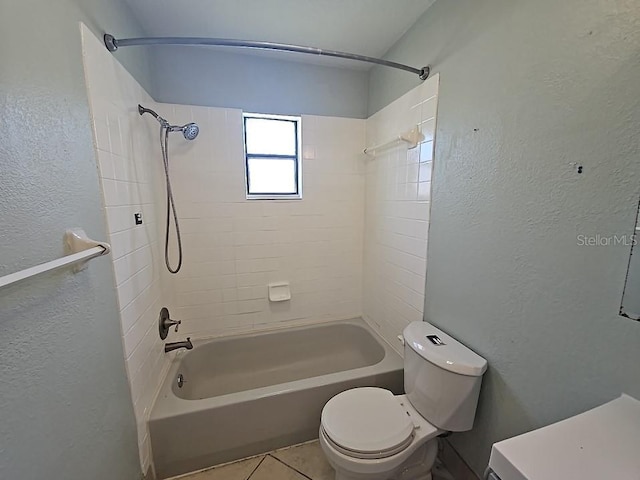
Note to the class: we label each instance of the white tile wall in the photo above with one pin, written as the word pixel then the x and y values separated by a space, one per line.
pixel 125 164
pixel 235 247
pixel 398 192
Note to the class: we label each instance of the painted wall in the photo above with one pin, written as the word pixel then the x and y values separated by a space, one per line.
pixel 128 157
pixel 255 83
pixel 526 90
pixel 64 396
pixel 398 190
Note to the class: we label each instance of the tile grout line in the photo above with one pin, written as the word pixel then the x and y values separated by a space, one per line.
pixel 289 466
pixel 257 466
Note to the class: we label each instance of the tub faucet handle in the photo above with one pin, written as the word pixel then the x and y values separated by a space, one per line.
pixel 165 322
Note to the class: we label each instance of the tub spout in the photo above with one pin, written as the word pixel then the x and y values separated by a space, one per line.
pixel 168 347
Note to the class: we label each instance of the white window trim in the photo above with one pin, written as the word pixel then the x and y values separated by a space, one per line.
pixel 282 196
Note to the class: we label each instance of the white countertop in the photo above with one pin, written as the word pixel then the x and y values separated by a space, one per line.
pixel 600 444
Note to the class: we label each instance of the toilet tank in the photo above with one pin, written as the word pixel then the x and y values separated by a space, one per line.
pixel 442 377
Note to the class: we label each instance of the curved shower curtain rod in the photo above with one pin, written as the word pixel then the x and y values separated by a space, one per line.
pixel 113 44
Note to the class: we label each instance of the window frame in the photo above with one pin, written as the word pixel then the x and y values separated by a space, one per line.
pixel 297 158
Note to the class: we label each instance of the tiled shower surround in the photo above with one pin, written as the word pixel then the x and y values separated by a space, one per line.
pixel 360 218
pixel 398 194
pixel 235 247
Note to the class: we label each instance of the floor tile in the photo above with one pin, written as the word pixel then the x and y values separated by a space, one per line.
pixel 299 462
pixel 308 459
pixel 272 469
pixel 240 470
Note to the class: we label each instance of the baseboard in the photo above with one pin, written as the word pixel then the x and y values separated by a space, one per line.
pixel 454 463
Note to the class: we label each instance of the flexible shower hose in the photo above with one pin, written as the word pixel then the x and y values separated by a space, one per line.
pixel 171 206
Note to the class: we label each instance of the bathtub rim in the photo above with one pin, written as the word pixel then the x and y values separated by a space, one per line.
pixel 167 404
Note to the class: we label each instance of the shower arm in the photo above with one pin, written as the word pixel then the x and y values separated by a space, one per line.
pixel 142 111
pixel 162 121
pixel 189 130
pixel 113 44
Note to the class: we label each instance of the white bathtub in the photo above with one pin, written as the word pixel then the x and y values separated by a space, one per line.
pixel 250 394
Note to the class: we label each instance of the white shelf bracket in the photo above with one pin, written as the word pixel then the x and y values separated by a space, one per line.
pixel 78 248
pixel 76 241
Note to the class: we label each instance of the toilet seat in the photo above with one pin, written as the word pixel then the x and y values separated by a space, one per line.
pixel 367 422
pixel 378 455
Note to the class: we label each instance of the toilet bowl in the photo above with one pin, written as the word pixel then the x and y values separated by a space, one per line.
pixel 367 433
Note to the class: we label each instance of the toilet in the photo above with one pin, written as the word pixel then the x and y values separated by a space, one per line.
pixel 368 433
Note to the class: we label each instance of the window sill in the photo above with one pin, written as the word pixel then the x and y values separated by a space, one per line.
pixel 274 197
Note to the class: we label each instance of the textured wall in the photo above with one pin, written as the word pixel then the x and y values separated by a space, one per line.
pixel 398 190
pixel 526 89
pixel 66 410
pixel 255 83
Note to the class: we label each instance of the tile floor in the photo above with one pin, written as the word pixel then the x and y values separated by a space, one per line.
pixel 299 462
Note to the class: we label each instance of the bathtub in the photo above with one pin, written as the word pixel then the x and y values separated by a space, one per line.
pixel 250 394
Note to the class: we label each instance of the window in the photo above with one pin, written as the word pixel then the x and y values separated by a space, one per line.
pixel 272 153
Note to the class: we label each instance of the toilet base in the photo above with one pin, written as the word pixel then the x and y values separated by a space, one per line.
pixel 347 477
pixel 417 467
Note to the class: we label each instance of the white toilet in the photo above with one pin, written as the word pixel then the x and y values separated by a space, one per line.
pixel 369 434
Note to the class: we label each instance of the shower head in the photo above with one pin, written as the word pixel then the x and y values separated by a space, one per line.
pixel 190 131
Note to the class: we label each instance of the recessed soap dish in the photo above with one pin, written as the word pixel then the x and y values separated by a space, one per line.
pixel 279 292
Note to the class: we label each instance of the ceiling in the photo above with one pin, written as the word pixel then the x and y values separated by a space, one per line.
pixel 366 27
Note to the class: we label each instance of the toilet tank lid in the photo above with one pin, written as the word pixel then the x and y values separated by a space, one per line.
pixel 442 350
